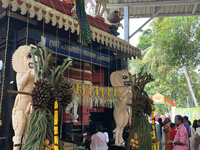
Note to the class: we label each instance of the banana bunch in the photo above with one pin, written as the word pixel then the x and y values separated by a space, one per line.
pixel 48 145
pixel 41 94
pixel 134 142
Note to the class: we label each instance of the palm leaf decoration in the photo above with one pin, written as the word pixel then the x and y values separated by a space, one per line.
pixel 141 108
pixel 50 85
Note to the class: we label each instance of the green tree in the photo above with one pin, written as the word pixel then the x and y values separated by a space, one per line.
pixel 179 37
pixel 170 78
pixel 145 39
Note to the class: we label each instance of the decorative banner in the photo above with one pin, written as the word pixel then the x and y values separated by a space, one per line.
pixel 192 113
pixel 158 98
pixel 77 52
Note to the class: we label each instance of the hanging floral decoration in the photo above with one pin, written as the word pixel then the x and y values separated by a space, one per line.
pixel 97 95
pixel 90 94
pixel 108 92
pixel 97 92
pixel 77 88
pixel 115 92
pixel 83 90
pixel 56 125
pixel 102 94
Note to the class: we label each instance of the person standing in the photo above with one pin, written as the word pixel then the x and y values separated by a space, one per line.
pixel 185 120
pixel 156 118
pixel 194 138
pixel 87 139
pixel 195 125
pixel 167 130
pixel 198 123
pixel 181 140
pixel 187 125
pixel 173 131
pixel 163 138
pixel 163 117
pixel 98 141
pixel 158 127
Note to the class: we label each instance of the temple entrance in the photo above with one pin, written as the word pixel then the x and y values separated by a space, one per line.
pixel 159 99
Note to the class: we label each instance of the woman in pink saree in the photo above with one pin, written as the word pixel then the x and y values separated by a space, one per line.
pixel 98 141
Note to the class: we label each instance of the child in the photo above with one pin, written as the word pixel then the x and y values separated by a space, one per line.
pixel 173 131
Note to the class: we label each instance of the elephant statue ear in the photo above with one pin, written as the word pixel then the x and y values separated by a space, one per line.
pixel 114 79
pixel 18 59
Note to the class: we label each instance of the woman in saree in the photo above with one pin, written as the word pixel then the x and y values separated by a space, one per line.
pixel 167 129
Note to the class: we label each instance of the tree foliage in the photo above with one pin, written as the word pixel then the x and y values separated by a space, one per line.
pixel 179 37
pixel 163 60
pixel 145 39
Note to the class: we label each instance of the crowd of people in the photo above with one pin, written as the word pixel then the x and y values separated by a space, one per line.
pixel 172 136
pixel 177 136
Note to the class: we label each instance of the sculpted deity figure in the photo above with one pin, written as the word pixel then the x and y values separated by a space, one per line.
pixel 121 79
pixel 23 66
pixel 74 114
pixel 99 3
